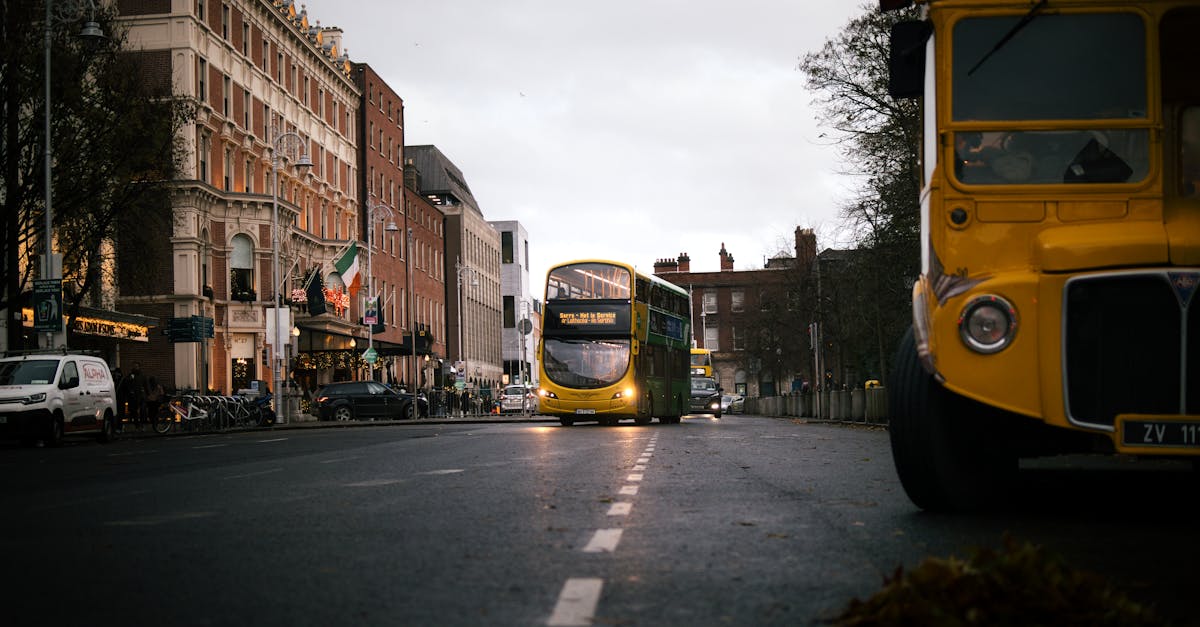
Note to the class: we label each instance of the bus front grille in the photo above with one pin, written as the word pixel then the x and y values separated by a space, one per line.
pixel 1123 346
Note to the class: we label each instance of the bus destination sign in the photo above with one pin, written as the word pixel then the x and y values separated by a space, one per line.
pixel 583 318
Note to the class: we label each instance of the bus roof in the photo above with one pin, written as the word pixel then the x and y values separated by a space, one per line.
pixel 667 285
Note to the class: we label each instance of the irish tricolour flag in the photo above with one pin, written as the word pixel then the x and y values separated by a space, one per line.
pixel 347 266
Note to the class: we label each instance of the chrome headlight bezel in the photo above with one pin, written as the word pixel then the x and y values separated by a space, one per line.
pixel 972 323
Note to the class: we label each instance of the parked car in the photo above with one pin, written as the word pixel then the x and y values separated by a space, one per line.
pixel 367 400
pixel 732 403
pixel 706 396
pixel 48 396
pixel 518 398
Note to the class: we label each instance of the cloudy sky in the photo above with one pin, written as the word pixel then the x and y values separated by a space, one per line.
pixel 628 129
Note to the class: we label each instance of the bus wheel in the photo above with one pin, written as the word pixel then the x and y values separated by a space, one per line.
pixel 566 422
pixel 940 441
pixel 645 420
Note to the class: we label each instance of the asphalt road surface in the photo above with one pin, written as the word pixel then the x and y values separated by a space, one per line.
pixel 744 520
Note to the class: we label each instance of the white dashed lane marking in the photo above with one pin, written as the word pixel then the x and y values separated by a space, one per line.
pixel 620 509
pixel 637 476
pixel 629 490
pixel 603 541
pixel 577 602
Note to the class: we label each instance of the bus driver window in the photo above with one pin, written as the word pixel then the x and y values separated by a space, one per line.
pixel 1189 152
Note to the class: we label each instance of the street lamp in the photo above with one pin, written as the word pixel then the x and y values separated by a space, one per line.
pixel 283 141
pixel 459 269
pixel 91 31
pixel 412 311
pixel 382 213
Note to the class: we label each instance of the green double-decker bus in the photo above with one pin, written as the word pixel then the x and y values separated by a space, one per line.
pixel 615 345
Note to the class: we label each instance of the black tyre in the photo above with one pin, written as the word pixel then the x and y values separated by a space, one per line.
pixel 343 413
pixel 54 430
pixel 566 422
pixel 945 453
pixel 410 412
pixel 108 429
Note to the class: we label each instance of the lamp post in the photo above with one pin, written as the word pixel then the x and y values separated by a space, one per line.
pixel 91 31
pixel 412 311
pixel 382 213
pixel 459 269
pixel 282 141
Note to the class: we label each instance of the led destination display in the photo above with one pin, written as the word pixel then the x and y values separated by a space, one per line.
pixel 586 318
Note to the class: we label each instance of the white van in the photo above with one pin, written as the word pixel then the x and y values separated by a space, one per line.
pixel 48 396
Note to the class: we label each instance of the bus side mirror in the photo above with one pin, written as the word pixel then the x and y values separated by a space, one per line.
pixel 906 59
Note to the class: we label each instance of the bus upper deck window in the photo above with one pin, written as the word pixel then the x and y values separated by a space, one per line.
pixel 1189 151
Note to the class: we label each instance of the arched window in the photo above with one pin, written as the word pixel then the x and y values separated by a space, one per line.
pixel 241 268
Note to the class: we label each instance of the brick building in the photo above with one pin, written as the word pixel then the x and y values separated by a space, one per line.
pixel 752 320
pixel 265 81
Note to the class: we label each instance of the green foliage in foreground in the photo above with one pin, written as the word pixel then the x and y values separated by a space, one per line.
pixel 1019 585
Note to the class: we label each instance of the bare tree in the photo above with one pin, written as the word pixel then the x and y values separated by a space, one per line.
pixel 879 141
pixel 115 147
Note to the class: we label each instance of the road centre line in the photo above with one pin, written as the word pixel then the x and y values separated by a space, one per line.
pixel 639 467
pixel 576 604
pixel 620 509
pixel 603 541
pixel 339 459
pixel 637 476
pixel 629 490
pixel 272 440
pixel 644 460
pixel 209 446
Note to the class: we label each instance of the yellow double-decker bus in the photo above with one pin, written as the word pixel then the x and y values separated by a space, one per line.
pixel 614 345
pixel 702 362
pixel 1056 309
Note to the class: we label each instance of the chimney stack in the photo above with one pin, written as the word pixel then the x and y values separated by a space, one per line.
pixel 726 259
pixel 806 247
pixel 685 263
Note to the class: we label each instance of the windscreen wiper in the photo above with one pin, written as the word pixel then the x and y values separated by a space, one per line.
pixel 1011 33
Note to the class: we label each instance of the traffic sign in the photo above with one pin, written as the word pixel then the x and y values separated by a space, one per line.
pixel 47 305
pixel 370 355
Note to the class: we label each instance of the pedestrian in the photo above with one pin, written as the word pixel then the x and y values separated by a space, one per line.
pixel 154 399
pixel 131 395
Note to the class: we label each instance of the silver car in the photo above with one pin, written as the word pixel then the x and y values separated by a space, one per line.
pixel 517 399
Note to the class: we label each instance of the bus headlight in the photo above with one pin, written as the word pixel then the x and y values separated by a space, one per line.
pixel 546 393
pixel 626 393
pixel 988 324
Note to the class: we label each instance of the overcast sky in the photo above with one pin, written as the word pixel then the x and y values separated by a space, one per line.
pixel 627 129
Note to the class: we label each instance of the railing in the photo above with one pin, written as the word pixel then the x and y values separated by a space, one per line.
pixel 858 405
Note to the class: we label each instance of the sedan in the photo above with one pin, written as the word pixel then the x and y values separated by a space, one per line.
pixel 732 403
pixel 367 400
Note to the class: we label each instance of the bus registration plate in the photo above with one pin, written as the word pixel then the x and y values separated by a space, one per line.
pixel 1172 433
pixel 585 411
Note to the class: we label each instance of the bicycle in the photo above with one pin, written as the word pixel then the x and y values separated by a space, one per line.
pixel 185 411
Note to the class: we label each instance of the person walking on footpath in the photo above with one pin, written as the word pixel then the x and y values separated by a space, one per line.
pixel 154 399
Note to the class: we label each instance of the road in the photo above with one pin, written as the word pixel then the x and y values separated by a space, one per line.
pixel 745 520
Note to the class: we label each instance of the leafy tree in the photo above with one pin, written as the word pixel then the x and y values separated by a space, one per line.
pixel 115 147
pixel 879 138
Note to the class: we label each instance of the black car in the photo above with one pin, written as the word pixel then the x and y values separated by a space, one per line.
pixel 706 396
pixel 367 400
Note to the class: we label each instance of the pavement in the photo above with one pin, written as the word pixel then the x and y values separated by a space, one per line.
pixel 308 421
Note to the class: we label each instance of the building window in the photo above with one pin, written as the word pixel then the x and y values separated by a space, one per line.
pixel 225 21
pixel 249 182
pixel 266 55
pixel 246 39
pixel 510 312
pixel 712 335
pixel 202 80
pixel 226 88
pixel 321 103
pixel 241 273
pixel 247 104
pixel 200 9
pixel 710 302
pixel 506 247
pixel 739 338
pixel 202 156
pixel 279 67
pixel 304 96
pixel 227 170
pixel 737 300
